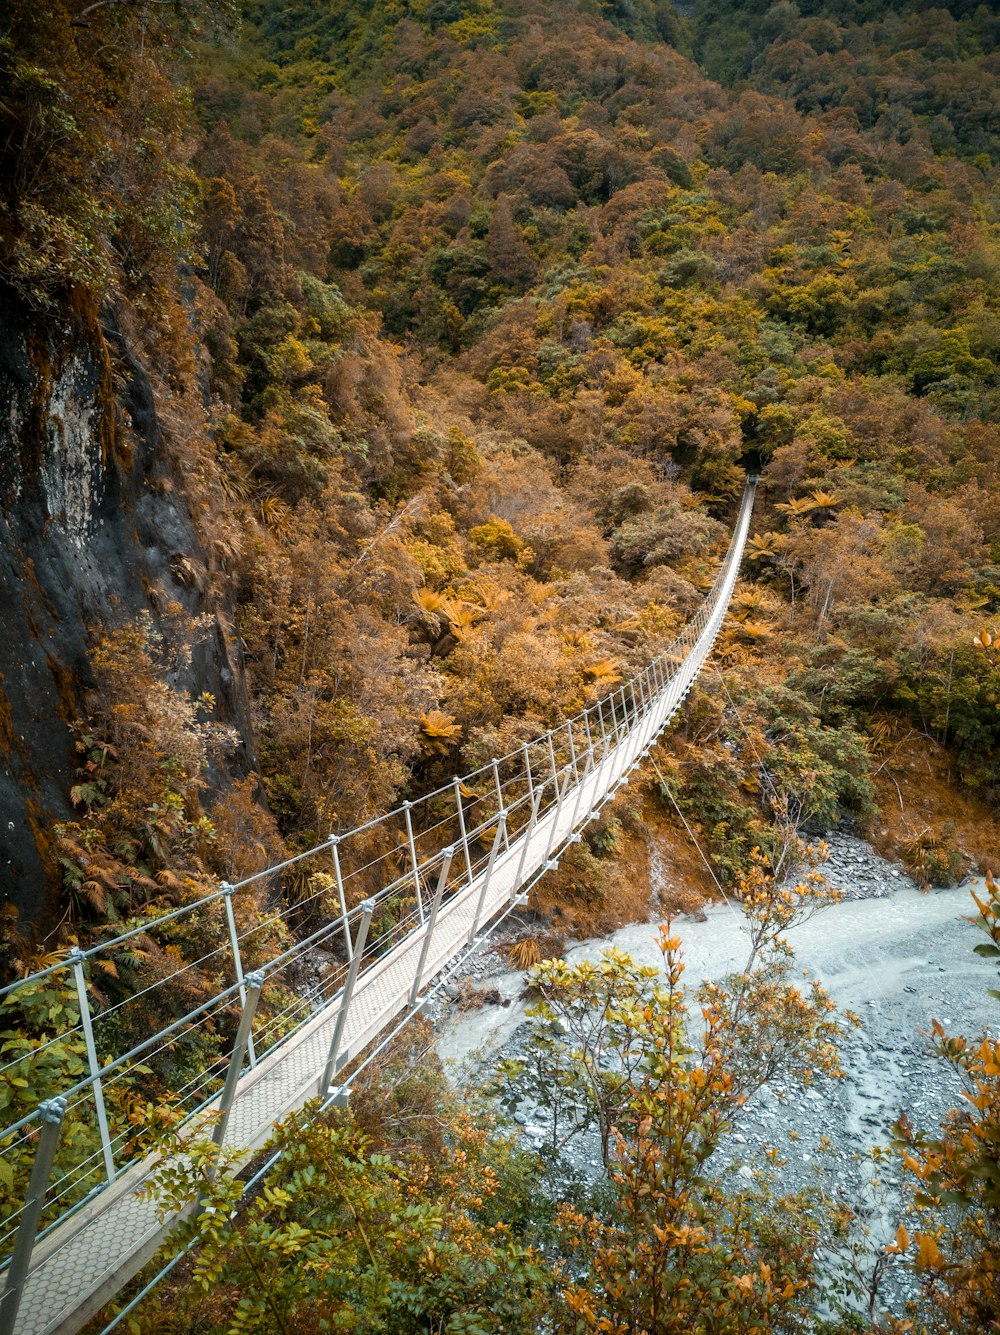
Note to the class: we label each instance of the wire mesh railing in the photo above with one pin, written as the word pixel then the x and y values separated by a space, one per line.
pixel 175 1009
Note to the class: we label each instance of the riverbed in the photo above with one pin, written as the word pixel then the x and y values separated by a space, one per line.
pixel 898 957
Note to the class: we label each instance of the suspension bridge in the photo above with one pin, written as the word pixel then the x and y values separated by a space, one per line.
pixel 220 1024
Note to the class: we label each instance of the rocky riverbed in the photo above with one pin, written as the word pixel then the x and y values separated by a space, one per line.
pixel 896 956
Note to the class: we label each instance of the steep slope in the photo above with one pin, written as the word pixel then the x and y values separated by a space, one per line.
pixel 487 307
pixel 95 528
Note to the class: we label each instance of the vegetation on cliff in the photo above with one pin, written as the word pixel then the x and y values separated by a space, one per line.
pixel 464 320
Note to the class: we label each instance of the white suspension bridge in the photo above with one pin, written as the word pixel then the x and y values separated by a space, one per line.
pixel 215 1023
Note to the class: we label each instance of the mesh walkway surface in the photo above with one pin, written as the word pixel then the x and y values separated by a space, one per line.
pixel 79 1265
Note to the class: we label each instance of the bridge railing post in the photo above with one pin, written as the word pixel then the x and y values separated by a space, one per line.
pixel 552 761
pixel 414 865
pixel 560 790
pixel 527 772
pixel 461 826
pixel 234 941
pixel 367 909
pixel 572 749
pixel 587 768
pixel 254 986
pixel 501 807
pixel 51 1114
pixel 75 957
pixel 515 885
pixel 484 889
pixel 425 945
pixel 334 842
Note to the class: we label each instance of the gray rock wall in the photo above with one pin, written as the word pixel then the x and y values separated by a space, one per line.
pixel 92 515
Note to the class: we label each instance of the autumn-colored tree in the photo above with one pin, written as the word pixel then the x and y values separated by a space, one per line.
pixel 679 1245
pixel 955 1175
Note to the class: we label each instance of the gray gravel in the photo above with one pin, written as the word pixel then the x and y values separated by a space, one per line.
pixel 896 956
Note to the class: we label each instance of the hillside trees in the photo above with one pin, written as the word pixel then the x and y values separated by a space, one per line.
pixel 96 192
pixel 490 266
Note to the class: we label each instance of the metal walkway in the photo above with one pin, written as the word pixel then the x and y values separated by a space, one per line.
pixel 423 883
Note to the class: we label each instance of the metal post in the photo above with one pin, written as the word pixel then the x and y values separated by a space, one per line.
pixel 655 719
pixel 572 749
pixel 526 837
pixel 425 945
pixel 500 803
pixel 586 725
pixel 367 909
pixel 234 941
pixel 552 762
pixel 588 766
pixel 75 957
pixel 254 983
pixel 501 830
pixel 527 770
pixel 607 733
pixel 334 842
pixel 407 806
pixel 461 826
pixel 561 791
pixel 51 1114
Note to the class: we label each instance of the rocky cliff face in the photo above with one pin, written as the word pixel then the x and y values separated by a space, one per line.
pixel 94 526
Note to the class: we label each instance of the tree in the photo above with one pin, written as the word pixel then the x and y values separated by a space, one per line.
pixel 679 1248
pixel 409 1226
pixel 956 1175
pixel 510 258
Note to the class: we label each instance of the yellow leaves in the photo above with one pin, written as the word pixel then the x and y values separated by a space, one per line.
pixel 433 604
pixel 804 505
pixel 438 731
pixel 755 631
pixel 798 505
pixel 438 609
pixel 989 643
pixel 524 954
pixel 765 546
pixel 901 1244
pixel 276 515
pixel 577 639
pixel 928 1253
pixel 605 672
pixel 461 619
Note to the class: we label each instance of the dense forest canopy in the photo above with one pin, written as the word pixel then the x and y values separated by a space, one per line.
pixel 494 305
pixel 463 322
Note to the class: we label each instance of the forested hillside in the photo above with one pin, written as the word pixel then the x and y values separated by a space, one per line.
pixel 483 312
pixel 378 384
